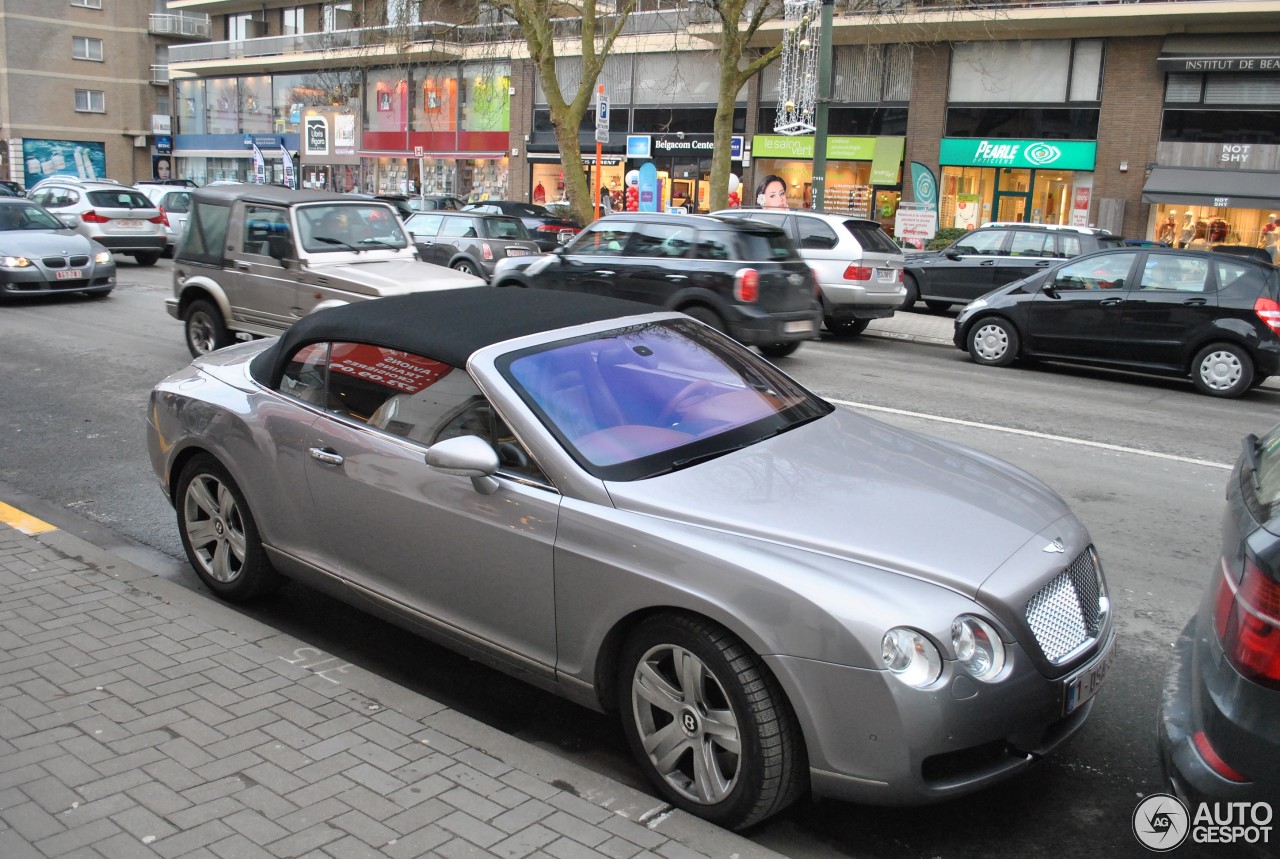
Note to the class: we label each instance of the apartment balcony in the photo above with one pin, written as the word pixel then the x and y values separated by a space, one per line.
pixel 182 26
pixel 160 75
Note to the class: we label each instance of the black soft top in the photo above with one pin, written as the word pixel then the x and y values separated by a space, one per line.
pixel 449 325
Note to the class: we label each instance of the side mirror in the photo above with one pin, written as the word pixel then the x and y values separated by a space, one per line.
pixel 279 247
pixel 466 456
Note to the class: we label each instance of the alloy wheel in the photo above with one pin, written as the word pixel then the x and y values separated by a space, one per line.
pixel 214 528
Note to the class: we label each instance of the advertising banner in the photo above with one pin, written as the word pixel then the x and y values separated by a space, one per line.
pixel 915 225
pixel 45 158
pixel 648 187
pixel 315 136
pixel 924 186
pixel 387 367
pixel 259 166
pixel 1056 154
pixel 290 177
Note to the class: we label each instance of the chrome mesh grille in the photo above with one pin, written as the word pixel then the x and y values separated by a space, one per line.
pixel 1067 613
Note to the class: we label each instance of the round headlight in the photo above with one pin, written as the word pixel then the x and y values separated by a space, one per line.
pixel 910 656
pixel 978 647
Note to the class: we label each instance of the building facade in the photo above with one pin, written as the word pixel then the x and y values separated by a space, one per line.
pixel 84 87
pixel 1115 114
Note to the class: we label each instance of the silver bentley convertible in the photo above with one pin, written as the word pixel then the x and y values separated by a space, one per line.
pixel 633 510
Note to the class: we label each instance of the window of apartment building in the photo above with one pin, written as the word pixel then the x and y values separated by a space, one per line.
pixel 238 27
pixel 338 16
pixel 1221 107
pixel 91 101
pixel 402 12
pixel 293 21
pixel 88 4
pixel 1053 71
pixel 86 48
pixel 870 90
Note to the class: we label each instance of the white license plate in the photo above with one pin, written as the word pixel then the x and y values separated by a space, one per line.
pixel 797 327
pixel 886 275
pixel 1086 682
pixel 128 223
pixel 68 274
pixel 517 252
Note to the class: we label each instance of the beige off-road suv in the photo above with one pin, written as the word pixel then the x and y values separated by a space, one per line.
pixel 256 258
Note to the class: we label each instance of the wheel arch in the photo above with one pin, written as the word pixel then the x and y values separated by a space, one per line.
pixel 199 288
pixel 1234 331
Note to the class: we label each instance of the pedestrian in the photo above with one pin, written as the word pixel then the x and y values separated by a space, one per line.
pixel 771 193
pixel 606 201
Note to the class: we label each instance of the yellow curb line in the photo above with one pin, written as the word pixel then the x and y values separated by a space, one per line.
pixel 24 522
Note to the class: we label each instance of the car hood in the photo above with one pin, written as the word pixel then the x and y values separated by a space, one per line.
pixel 854 488
pixel 35 243
pixel 395 277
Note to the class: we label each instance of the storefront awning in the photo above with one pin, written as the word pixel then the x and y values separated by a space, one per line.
pixel 1189 186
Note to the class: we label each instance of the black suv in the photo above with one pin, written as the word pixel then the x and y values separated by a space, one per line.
pixel 742 277
pixel 989 257
pixel 1213 317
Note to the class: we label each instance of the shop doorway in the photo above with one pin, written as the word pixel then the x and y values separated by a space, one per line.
pixel 690 184
pixel 1013 194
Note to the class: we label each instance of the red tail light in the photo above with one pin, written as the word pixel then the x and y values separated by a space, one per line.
pixel 746 284
pixel 1247 620
pixel 162 218
pixel 1269 312
pixel 92 217
pixel 486 251
pixel 859 272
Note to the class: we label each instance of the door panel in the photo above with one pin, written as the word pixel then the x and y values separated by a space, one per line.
pixel 1172 297
pixel 1078 315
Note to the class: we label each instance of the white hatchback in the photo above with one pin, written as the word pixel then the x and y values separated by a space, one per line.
pixel 858 266
pixel 174 202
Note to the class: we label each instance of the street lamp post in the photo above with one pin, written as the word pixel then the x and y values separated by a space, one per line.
pixel 821 108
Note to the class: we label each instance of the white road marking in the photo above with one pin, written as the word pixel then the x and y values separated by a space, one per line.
pixel 1040 435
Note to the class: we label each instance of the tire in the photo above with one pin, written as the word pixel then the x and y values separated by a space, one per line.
pixel 993 341
pixel 219 533
pixel 466 268
pixel 913 292
pixel 847 327
pixel 779 350
pixel 1222 370
pixel 707 316
pixel 1257 380
pixel 146 258
pixel 688 766
pixel 938 306
pixel 98 294
pixel 205 329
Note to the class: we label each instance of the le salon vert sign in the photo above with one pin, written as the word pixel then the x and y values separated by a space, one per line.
pixel 1049 154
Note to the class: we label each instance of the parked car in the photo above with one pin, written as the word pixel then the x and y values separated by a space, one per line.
pixel 407 204
pixel 172 183
pixel 174 203
pixel 257 258
pixel 1213 317
pixel 469 241
pixel 547 229
pixel 14 188
pixel 115 216
pixel 989 257
pixel 631 510
pixel 40 255
pixel 859 268
pixel 1250 251
pixel 1219 724
pixel 743 277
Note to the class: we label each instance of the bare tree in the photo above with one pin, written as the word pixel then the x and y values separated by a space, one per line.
pixel 596 29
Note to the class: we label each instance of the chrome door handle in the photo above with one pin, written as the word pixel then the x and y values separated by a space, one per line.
pixel 604 272
pixel 988 262
pixel 1196 302
pixel 677 277
pixel 328 457
pixel 1109 302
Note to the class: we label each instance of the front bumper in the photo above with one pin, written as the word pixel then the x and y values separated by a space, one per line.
pixel 872 739
pixel 15 282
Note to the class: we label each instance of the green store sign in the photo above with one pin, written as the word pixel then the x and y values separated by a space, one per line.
pixel 1048 154
pixel 884 153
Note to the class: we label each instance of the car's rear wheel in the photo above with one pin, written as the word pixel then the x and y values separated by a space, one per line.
pixel 779 350
pixel 845 327
pixel 708 722
pixel 219 533
pixel 147 258
pixel 205 329
pixel 1222 370
pixel 993 341
pixel 466 268
pixel 938 306
pixel 913 292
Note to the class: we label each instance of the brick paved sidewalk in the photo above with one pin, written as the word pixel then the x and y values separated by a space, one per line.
pixel 140 719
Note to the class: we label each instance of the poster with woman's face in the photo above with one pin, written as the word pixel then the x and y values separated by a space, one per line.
pixel 161 167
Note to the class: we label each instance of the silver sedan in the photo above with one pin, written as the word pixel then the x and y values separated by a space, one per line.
pixel 634 511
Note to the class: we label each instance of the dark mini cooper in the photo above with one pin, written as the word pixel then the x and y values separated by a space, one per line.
pixel 742 277
pixel 1213 317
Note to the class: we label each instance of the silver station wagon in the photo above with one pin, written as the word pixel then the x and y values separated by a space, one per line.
pixel 629 508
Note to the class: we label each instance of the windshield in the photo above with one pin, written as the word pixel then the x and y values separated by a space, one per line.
pixel 654 398
pixel 28 217
pixel 349 227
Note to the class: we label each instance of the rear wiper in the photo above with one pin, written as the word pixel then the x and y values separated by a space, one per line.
pixel 1251 459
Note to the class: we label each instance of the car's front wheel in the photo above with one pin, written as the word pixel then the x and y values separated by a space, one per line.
pixel 779 350
pixel 146 258
pixel 1222 370
pixel 219 533
pixel 204 328
pixel 913 292
pixel 993 341
pixel 708 722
